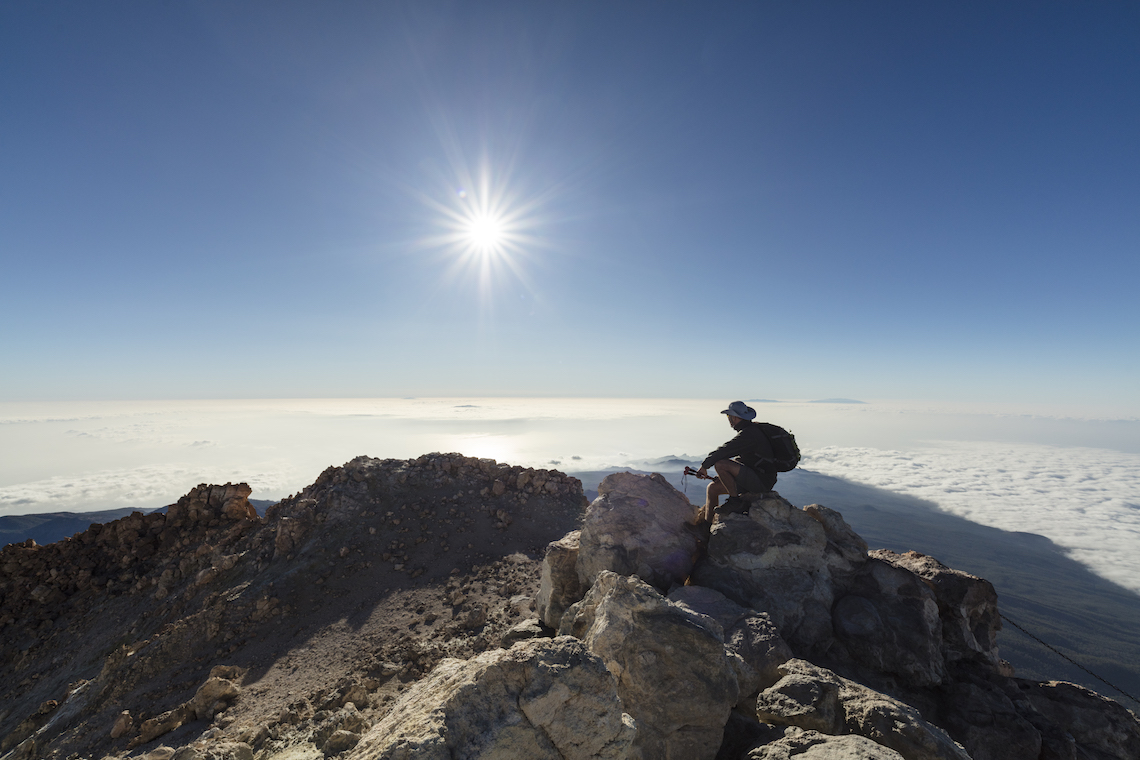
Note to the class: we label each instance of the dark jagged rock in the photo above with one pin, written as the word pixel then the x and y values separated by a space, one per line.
pixel 788 562
pixel 967 606
pixel 121 624
pixel 888 621
pixel 1092 721
pixel 816 699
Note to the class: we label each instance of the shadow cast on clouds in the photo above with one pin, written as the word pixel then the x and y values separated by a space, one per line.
pixel 1061 601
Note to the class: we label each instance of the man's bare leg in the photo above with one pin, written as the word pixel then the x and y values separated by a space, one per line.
pixel 726 471
pixel 712 498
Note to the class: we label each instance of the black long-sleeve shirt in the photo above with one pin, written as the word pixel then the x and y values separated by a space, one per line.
pixel 750 447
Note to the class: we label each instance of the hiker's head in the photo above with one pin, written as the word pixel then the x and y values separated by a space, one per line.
pixel 738 412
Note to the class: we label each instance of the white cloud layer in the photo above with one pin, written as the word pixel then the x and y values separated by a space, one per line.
pixel 1073 479
pixel 137 488
pixel 1086 500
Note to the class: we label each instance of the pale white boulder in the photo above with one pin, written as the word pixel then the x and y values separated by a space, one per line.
pixel 546 699
pixel 639 525
pixel 673 673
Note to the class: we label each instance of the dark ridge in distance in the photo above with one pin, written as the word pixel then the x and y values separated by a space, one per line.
pixel 48 527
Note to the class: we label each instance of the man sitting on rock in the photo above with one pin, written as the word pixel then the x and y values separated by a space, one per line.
pixel 750 472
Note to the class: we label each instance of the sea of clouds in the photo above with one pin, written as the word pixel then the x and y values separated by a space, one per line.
pixel 1074 479
pixel 1086 500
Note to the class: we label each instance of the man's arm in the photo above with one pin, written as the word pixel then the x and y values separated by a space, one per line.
pixel 735 447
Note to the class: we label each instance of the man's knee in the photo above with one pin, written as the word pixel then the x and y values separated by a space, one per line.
pixel 726 466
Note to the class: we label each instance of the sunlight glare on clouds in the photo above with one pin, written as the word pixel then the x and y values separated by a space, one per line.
pixel 484 446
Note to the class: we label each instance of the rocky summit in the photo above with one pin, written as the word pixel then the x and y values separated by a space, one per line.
pixel 450 607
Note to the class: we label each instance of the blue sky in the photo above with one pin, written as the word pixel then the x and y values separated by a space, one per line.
pixel 782 200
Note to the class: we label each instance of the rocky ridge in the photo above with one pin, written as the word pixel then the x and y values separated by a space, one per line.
pixel 320 612
pixel 895 648
pixel 428 608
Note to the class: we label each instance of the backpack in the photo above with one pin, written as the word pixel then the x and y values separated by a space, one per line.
pixel 785 452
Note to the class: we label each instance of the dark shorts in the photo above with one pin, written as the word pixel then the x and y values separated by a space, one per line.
pixel 751 481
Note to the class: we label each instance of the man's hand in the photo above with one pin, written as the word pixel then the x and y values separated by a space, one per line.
pixel 702 472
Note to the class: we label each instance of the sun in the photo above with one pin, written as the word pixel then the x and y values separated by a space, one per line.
pixel 487 227
pixel 485 232
pixel 488 232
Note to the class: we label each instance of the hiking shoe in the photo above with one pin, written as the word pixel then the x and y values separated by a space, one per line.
pixel 734 505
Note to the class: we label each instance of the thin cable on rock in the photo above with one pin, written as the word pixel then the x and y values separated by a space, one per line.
pixel 1070 659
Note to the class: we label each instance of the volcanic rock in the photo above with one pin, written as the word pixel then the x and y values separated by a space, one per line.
pixel 539 699
pixel 888 621
pixel 336 597
pixel 989 716
pixel 559 586
pixel 773 560
pixel 747 633
pixel 527 629
pixel 638 526
pixel 967 606
pixel 814 698
pixel 656 648
pixel 812 745
pixel 1090 719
